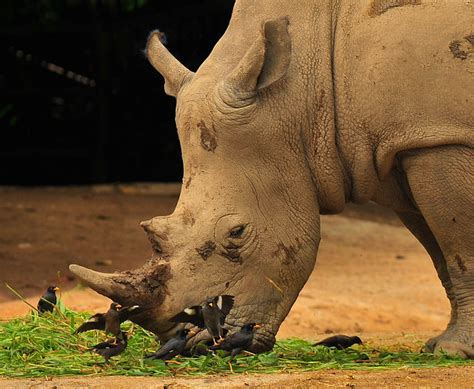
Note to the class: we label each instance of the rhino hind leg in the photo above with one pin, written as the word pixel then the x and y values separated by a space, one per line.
pixel 420 229
pixel 441 181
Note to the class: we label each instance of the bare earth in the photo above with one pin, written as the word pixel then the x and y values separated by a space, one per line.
pixel 372 278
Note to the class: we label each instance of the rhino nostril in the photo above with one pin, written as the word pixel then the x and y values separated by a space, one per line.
pixel 158 241
pixel 146 225
pixel 155 244
pixel 157 232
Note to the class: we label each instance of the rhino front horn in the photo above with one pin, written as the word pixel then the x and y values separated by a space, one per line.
pixel 174 72
pixel 103 283
pixel 143 286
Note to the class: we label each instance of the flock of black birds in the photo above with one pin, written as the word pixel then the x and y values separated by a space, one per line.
pixel 209 315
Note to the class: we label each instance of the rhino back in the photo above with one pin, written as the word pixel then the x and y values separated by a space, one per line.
pixel 404 76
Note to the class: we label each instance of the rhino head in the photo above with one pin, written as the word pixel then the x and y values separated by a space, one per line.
pixel 247 219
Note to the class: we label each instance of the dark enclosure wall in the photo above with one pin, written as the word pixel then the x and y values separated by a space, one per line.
pixel 79 103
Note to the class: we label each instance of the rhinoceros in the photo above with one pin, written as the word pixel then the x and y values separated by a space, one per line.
pixel 302 107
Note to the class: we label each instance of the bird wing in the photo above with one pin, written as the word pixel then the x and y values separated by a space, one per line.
pixel 225 303
pixel 44 306
pixel 126 312
pixel 327 341
pixel 103 346
pixel 236 340
pixel 334 341
pixel 190 315
pixel 47 302
pixel 96 322
pixel 168 348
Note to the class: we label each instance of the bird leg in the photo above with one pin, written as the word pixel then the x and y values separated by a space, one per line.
pixel 112 341
pixel 248 353
pixel 230 367
pixel 175 362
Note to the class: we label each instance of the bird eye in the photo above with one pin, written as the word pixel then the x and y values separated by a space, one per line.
pixel 237 232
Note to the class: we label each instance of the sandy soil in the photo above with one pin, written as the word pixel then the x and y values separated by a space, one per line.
pixel 418 378
pixel 372 278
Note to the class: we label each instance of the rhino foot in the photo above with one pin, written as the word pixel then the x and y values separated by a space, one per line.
pixel 452 342
pixel 431 343
pixel 454 348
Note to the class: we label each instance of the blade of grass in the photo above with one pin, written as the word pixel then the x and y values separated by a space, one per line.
pixel 20 296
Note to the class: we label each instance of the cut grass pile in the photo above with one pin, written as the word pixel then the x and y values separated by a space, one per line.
pixel 38 346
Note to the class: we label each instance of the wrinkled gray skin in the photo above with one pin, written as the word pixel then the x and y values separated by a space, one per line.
pixel 301 107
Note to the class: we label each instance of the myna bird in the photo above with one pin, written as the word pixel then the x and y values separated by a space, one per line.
pixel 48 300
pixel 238 341
pixel 109 321
pixel 339 341
pixel 172 347
pixel 210 315
pixel 111 348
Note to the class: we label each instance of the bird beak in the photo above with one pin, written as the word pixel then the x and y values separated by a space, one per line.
pixel 56 289
pixel 257 326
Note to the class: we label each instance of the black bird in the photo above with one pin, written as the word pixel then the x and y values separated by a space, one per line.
pixel 48 300
pixel 238 341
pixel 339 341
pixel 210 315
pixel 172 347
pixel 109 321
pixel 111 348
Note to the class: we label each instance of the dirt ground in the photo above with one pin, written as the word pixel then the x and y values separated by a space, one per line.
pixel 372 278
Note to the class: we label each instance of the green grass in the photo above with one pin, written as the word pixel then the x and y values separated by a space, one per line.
pixel 38 346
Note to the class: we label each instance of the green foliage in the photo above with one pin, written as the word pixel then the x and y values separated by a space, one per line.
pixel 38 346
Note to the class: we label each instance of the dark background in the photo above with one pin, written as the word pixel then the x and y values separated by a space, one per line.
pixel 79 103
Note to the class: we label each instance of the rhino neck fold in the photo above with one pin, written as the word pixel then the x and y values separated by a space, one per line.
pixel 319 127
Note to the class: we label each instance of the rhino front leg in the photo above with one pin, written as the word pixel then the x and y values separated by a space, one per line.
pixel 420 229
pixel 441 181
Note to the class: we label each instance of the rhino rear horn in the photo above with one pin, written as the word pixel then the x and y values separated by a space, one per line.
pixel 265 62
pixel 173 71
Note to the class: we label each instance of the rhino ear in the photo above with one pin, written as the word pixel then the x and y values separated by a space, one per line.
pixel 173 71
pixel 266 61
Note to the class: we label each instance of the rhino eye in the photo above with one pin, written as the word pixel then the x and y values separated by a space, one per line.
pixel 237 232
